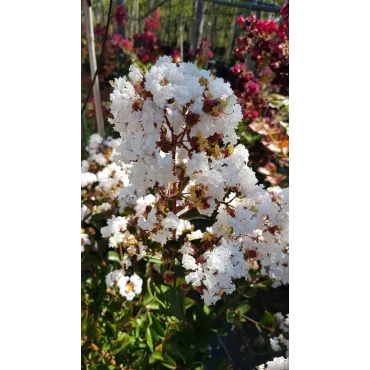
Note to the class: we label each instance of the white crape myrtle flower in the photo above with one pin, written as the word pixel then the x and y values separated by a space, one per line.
pixel 178 144
pixel 84 212
pixel 283 322
pixel 186 249
pixel 143 202
pixel 87 178
pixel 116 231
pixel 130 286
pixel 278 363
pixel 84 241
pixel 141 127
pixel 104 184
pixel 216 270
pixel 282 340
pixel 171 221
pixel 197 234
pixel 183 227
pixel 104 207
pixel 113 277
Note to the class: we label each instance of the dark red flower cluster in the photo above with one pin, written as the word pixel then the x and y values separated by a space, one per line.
pixel 266 44
pixel 121 15
pixel 152 22
pixel 146 45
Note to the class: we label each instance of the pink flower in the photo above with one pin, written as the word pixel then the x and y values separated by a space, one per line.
pixel 240 20
pixel 252 88
pixel 237 69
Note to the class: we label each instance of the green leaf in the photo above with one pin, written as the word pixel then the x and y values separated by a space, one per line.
pixel 110 329
pixel 243 308
pixel 222 364
pixel 163 288
pixel 267 320
pixel 230 316
pixel 152 306
pixel 157 356
pixel 153 260
pixel 172 244
pixel 174 298
pixel 149 340
pixel 193 214
pixel 150 319
pixel 177 350
pixel 189 302
pixel 113 256
pixel 169 362
pixel 98 220
pixel 158 327
pixel 206 309
pixel 123 338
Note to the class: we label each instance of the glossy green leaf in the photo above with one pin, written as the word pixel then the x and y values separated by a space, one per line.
pixel 152 306
pixel 174 299
pixel 113 256
pixel 193 214
pixel 157 356
pixel 267 320
pixel 189 302
pixel 169 362
pixel 149 340
pixel 206 309
pixel 123 338
pixel 230 316
pixel 243 308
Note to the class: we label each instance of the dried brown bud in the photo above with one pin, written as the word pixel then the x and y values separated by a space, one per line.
pixel 192 119
pixel 215 137
pixel 168 276
pixel 252 253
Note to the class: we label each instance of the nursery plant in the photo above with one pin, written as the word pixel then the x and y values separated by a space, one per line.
pixel 262 88
pixel 179 243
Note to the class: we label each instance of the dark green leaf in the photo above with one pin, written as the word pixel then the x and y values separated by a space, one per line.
pixel 149 340
pixel 193 214
pixel 267 320
pixel 174 299
pixel 169 362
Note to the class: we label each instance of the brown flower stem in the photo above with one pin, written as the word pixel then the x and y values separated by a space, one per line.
pixel 120 253
pixel 253 321
pixel 174 189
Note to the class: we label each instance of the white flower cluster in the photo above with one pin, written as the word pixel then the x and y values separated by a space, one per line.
pixel 216 270
pixel 177 126
pixel 129 286
pixel 281 341
pixel 149 108
pixel 105 187
pixel 84 240
pixel 256 229
pixel 278 363
pixel 118 235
